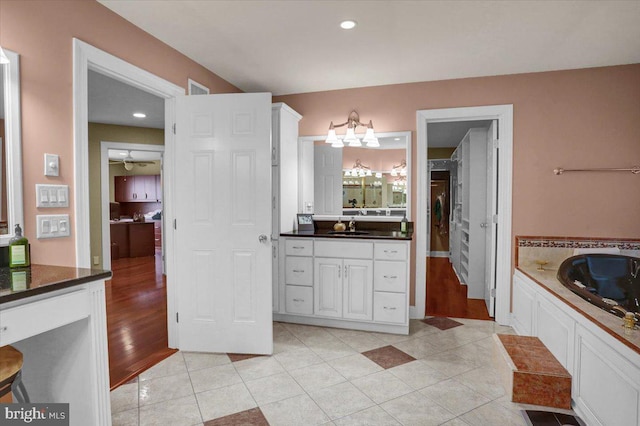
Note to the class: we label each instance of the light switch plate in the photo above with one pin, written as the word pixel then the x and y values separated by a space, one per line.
pixel 52 195
pixel 52 226
pixel 51 165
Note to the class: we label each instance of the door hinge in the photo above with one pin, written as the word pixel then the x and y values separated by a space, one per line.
pixel 177 317
pixel 492 292
pixel 273 202
pixel 494 218
pixel 496 144
pixel 174 128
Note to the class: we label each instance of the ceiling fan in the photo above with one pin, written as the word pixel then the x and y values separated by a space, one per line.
pixel 129 162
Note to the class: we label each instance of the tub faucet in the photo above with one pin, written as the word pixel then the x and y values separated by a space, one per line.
pixel 352 224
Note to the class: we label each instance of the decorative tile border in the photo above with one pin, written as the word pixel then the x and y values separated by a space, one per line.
pixel 578 242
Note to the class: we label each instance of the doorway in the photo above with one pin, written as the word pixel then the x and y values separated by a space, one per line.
pixel 440 202
pixel 501 222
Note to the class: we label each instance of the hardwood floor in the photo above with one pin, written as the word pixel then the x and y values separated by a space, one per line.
pixel 446 297
pixel 136 317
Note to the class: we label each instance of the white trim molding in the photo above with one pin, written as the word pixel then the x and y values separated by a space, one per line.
pixel 85 58
pixel 504 115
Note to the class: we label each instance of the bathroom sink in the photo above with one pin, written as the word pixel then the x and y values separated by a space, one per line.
pixel 348 232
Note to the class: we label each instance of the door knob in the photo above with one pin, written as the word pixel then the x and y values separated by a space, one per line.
pixel 484 225
pixel 262 238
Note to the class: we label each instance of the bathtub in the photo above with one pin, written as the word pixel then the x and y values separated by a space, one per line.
pixel 609 281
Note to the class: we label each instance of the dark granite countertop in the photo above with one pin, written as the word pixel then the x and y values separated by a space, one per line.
pixel 370 235
pixel 20 283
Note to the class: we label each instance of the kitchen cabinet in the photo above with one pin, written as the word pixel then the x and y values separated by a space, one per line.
pixel 345 283
pixel 137 189
pixel 132 239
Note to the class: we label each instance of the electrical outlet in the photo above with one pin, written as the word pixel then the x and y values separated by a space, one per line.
pixel 96 260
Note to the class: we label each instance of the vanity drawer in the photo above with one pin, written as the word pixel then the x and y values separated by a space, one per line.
pixel 389 307
pixel 390 251
pixel 299 300
pixel 27 320
pixel 390 276
pixel 344 249
pixel 299 270
pixel 298 247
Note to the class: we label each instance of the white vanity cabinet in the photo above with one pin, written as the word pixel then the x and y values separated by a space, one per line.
pixel 345 283
pixel 605 372
pixel 284 179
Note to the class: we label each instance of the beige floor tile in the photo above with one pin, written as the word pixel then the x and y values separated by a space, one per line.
pixel 224 401
pixel 416 410
pixel 417 374
pixel 331 348
pixel 299 358
pixel 341 400
pixel 454 396
pixel 214 377
pixel 389 338
pixel 273 388
pixel 175 412
pixel 361 341
pixel 285 341
pixel 354 366
pixel 198 361
pixel 418 348
pixel 124 398
pixel 483 380
pixel 317 376
pixel 256 368
pixel 164 388
pixel 173 365
pixel 299 410
pixel 417 328
pixel 448 364
pixel 369 417
pixel 456 422
pixel 126 418
pixel 492 414
pixel 382 386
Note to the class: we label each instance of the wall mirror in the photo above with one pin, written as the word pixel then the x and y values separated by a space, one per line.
pixel 11 208
pixel 359 181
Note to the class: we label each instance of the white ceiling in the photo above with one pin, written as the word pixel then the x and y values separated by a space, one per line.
pixel 121 154
pixel 289 47
pixel 449 134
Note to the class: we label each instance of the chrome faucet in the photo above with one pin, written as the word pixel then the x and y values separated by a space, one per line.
pixel 352 224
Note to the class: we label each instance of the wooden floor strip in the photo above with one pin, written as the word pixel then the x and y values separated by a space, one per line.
pixel 136 317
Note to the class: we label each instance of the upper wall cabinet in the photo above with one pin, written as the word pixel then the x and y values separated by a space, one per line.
pixel 138 189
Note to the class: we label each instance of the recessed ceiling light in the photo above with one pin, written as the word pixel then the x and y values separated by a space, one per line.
pixel 139 114
pixel 347 25
pixel 396 139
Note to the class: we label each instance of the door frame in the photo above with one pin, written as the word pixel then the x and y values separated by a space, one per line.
pixel 504 115
pixel 104 190
pixel 85 58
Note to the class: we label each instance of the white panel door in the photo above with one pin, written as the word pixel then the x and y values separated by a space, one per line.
pixel 327 287
pixel 327 180
pixel 223 207
pixel 491 227
pixel 358 289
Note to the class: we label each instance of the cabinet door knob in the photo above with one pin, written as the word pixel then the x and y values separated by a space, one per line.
pixel 391 277
pixel 300 271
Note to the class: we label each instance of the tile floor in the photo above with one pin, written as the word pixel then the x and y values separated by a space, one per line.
pixel 326 376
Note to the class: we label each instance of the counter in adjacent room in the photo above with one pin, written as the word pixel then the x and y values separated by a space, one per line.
pixel 56 316
pixel 364 231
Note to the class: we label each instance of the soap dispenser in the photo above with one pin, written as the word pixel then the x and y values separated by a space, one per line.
pixel 18 250
pixel 403 224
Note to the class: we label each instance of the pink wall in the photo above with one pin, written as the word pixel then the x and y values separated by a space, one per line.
pixel 572 119
pixel 42 32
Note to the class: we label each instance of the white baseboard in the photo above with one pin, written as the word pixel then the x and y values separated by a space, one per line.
pixel 415 313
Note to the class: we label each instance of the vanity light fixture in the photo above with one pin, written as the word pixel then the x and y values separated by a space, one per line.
pixel 139 114
pixel 400 169
pixel 350 137
pixel 3 58
pixel 359 170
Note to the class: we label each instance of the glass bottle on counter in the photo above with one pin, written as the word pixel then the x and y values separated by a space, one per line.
pixel 19 250
pixel 403 224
